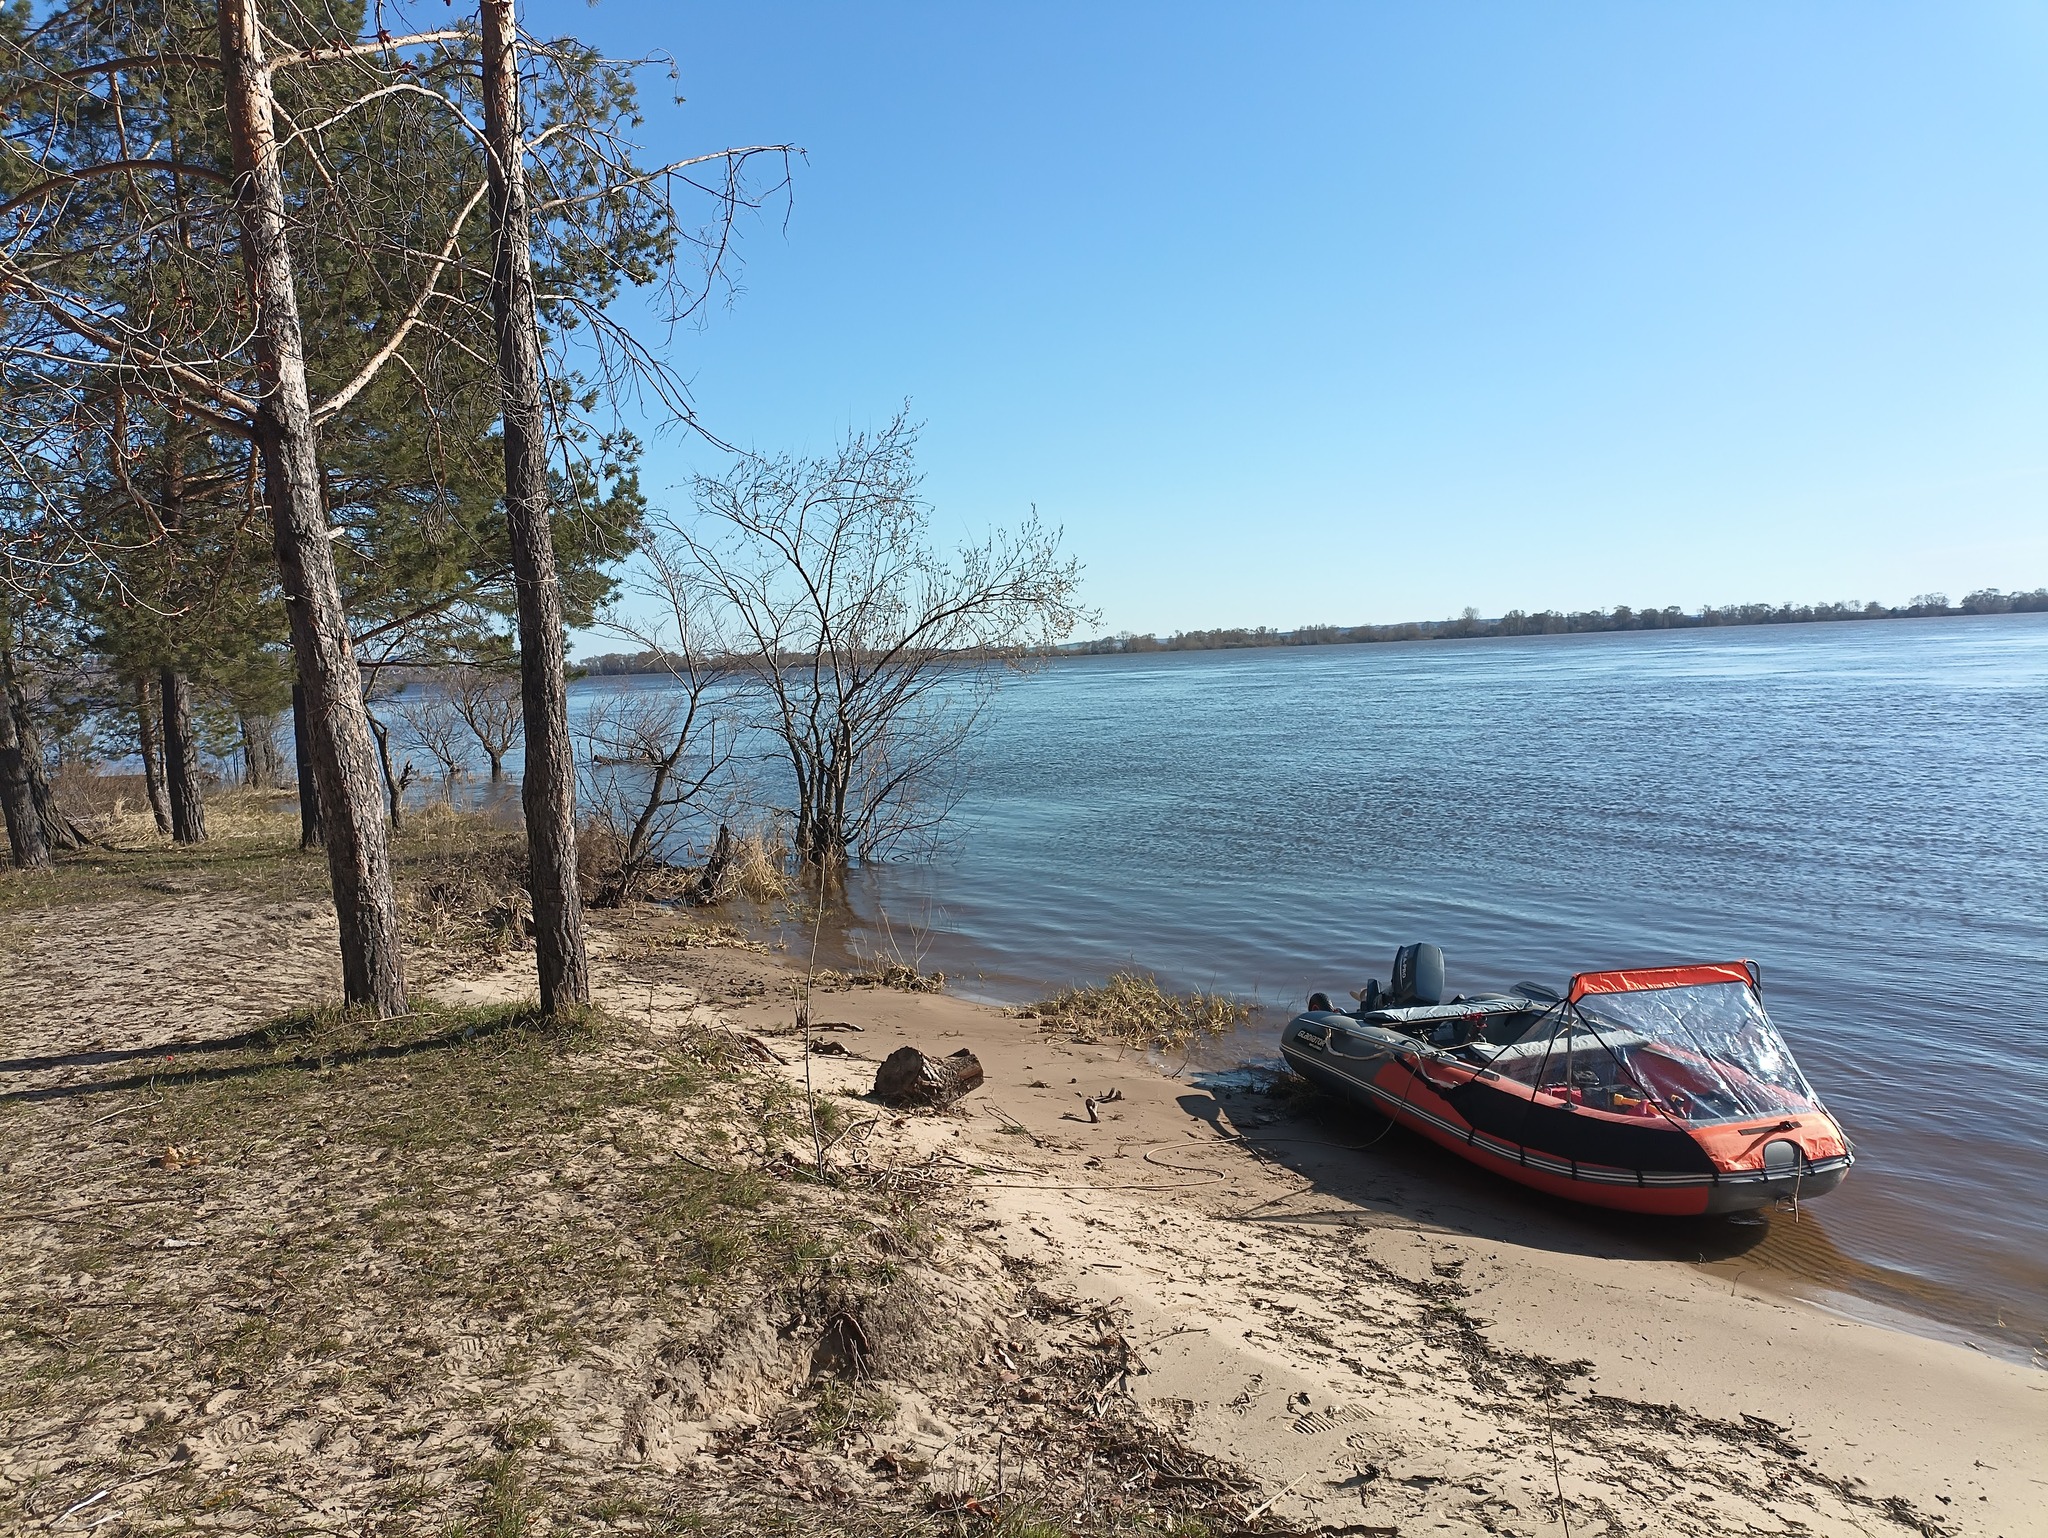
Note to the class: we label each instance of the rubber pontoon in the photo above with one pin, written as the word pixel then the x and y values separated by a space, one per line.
pixel 1665 1090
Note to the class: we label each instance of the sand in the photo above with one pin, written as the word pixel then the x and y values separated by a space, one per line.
pixel 1321 1311
pixel 1383 1340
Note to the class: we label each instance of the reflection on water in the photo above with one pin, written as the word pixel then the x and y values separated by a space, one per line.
pixel 1857 807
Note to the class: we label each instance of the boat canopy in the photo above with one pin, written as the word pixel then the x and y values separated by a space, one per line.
pixel 1687 1042
pixel 1641 979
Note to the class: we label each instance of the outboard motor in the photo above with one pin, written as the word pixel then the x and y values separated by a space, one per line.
pixel 1418 977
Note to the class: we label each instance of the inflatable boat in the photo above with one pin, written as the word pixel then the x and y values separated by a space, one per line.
pixel 1663 1090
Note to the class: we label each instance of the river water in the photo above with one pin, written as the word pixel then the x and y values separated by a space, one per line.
pixel 1861 808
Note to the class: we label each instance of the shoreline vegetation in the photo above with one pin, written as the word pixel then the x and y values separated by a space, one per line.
pixel 1471 626
pixel 664 1265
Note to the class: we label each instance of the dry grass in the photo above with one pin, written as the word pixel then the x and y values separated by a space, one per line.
pixel 1133 1009
pixel 118 810
pixel 461 888
pixel 757 870
pixel 760 868
pixel 900 975
pixel 252 846
pixel 408 1240
pixel 100 797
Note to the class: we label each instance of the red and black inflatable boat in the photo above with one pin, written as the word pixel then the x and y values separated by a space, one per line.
pixel 1663 1090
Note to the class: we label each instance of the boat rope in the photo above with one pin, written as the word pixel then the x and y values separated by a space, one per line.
pixel 1408 1084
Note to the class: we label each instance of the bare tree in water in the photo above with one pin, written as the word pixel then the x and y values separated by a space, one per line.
pixel 875 652
pixel 660 756
pixel 431 723
pixel 489 705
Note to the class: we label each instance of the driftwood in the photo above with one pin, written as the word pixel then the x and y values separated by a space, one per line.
pixel 911 1078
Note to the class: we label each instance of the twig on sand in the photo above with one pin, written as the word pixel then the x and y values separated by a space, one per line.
pixel 846 1132
pixel 1011 1121
pixel 1271 1501
pixel 1556 1468
pixel 94 1500
pixel 699 1163
pixel 90 1500
pixel 78 1212
pixel 1090 1102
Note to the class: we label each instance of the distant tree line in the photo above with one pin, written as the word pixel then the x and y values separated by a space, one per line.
pixel 1470 626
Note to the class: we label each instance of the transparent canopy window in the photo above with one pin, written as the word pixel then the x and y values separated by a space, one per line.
pixel 1704 1052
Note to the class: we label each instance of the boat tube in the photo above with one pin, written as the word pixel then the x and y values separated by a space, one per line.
pixel 1662 1090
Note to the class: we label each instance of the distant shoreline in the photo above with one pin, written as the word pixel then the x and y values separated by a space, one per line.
pixel 1516 622
pixel 1471 627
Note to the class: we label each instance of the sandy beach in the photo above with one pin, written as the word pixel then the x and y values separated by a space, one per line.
pixel 1371 1338
pixel 1318 1312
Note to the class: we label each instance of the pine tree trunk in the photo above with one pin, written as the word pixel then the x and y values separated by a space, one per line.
pixel 181 760
pixel 302 755
pixel 263 769
pixel 152 756
pixel 344 763
pixel 548 792
pixel 58 831
pixel 26 845
pixel 267 728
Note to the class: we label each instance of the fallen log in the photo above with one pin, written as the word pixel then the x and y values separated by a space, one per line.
pixel 909 1077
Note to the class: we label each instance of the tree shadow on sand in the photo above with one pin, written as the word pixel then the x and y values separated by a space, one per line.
pixel 271 1048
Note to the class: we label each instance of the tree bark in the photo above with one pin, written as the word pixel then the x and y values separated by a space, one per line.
pixel 26 845
pixel 907 1077
pixel 181 760
pixel 394 783
pixel 548 792
pixel 310 836
pixel 264 764
pixel 58 831
pixel 152 756
pixel 338 733
pixel 262 768
pixel 712 876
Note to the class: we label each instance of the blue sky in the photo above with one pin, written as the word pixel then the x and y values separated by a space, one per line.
pixel 1294 313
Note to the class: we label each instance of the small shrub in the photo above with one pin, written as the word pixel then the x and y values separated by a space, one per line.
pixel 759 867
